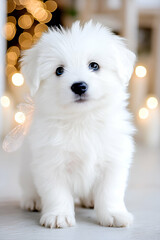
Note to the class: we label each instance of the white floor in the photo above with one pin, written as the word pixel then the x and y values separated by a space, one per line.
pixel 142 199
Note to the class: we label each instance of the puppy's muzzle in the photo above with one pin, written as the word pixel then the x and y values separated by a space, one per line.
pixel 79 88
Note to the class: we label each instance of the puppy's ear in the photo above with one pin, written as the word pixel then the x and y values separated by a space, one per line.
pixel 30 68
pixel 125 60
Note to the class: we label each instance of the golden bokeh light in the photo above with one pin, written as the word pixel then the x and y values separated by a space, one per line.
pixel 14 49
pixel 143 113
pixel 39 10
pixel 25 40
pixel 10 6
pixel 47 17
pixel 17 79
pixel 35 39
pixel 20 117
pixel 9 30
pixel 41 14
pixel 5 101
pixel 17 2
pixel 152 102
pixel 39 29
pixel 10 70
pixel 19 7
pixel 51 5
pixel 24 2
pixel 11 58
pixel 11 19
pixel 36 8
pixel 25 21
pixel 141 71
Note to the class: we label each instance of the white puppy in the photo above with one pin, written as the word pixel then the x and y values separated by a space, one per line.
pixel 81 135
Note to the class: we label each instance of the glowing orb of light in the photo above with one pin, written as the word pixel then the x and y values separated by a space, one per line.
pixel 143 113
pixel 152 102
pixel 17 79
pixel 5 101
pixel 51 5
pixel 141 71
pixel 9 30
pixel 25 40
pixel 25 21
pixel 20 117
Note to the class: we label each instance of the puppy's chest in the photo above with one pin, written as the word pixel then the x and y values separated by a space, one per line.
pixel 87 143
pixel 83 149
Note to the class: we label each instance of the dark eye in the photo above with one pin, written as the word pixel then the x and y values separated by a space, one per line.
pixel 93 66
pixel 59 71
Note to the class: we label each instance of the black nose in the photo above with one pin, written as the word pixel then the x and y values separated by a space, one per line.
pixel 79 88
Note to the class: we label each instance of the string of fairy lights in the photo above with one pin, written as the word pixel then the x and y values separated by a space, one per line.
pixel 32 20
pixel 33 23
pixel 151 102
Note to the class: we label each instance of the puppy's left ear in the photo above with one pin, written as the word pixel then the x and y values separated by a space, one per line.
pixel 125 60
pixel 30 68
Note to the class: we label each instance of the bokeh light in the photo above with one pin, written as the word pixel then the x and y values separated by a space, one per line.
pixel 39 29
pixel 11 19
pixel 11 58
pixel 17 79
pixel 143 113
pixel 5 101
pixel 17 2
pixel 20 117
pixel 14 49
pixel 9 30
pixel 19 7
pixel 42 15
pixel 10 69
pixel 23 2
pixel 47 18
pixel 51 5
pixel 25 40
pixel 152 102
pixel 25 21
pixel 37 9
pixel 10 6
pixel 141 71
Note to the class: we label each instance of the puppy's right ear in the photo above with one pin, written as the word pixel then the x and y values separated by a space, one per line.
pixel 30 68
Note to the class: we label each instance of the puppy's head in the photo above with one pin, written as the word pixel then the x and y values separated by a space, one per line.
pixel 79 67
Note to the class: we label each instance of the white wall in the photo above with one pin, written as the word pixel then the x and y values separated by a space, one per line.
pixel 140 3
pixel 2 54
pixel 148 3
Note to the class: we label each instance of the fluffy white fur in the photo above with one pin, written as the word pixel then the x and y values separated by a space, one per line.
pixel 79 149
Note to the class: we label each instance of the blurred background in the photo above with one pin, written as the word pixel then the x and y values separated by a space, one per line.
pixel 23 21
pixel 21 24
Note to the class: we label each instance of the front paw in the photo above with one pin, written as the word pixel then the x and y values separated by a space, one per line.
pixel 57 221
pixel 116 219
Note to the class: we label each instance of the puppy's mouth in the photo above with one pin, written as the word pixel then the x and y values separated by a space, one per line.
pixel 81 99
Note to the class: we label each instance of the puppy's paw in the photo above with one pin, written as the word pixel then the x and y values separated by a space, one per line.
pixel 31 204
pixel 116 219
pixel 57 221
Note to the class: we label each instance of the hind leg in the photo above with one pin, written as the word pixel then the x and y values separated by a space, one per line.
pixel 30 199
